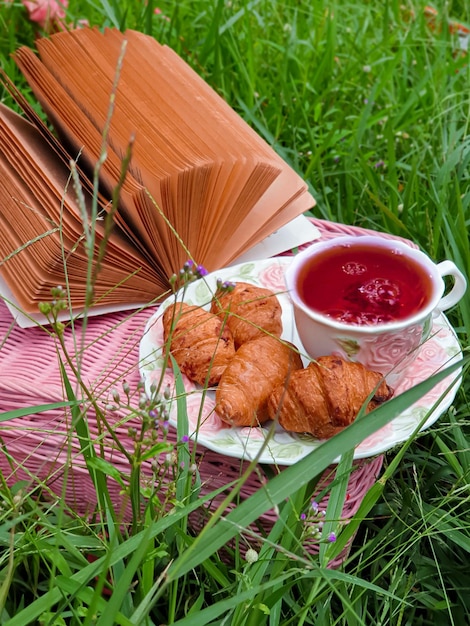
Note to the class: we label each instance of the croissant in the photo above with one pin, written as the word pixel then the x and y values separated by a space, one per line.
pixel 326 396
pixel 247 382
pixel 200 342
pixel 251 311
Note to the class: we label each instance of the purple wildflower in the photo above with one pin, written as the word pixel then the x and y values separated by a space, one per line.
pixel 225 285
pixel 188 273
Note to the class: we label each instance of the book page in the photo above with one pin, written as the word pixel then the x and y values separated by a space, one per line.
pixel 200 183
pixel 180 123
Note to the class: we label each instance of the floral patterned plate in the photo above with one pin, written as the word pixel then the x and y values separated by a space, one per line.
pixel 285 448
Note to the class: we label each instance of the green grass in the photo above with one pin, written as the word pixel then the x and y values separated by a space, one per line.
pixel 372 107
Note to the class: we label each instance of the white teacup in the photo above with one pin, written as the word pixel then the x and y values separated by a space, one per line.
pixel 369 299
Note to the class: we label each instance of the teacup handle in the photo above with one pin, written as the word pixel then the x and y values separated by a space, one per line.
pixel 448 268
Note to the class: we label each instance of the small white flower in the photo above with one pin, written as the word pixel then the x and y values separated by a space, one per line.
pixel 171 458
pixel 251 556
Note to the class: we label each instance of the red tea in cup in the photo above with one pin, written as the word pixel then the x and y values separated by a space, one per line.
pixel 369 299
pixel 364 284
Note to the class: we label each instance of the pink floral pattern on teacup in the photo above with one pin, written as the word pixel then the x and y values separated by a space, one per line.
pixel 390 353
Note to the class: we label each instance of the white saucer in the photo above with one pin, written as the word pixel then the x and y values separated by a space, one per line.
pixel 285 448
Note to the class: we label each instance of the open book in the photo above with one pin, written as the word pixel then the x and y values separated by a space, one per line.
pixel 200 183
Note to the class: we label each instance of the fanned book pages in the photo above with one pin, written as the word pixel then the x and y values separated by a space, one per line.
pixel 200 184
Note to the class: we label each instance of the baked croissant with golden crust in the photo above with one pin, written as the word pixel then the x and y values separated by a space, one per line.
pixel 201 344
pixel 251 311
pixel 247 382
pixel 326 396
